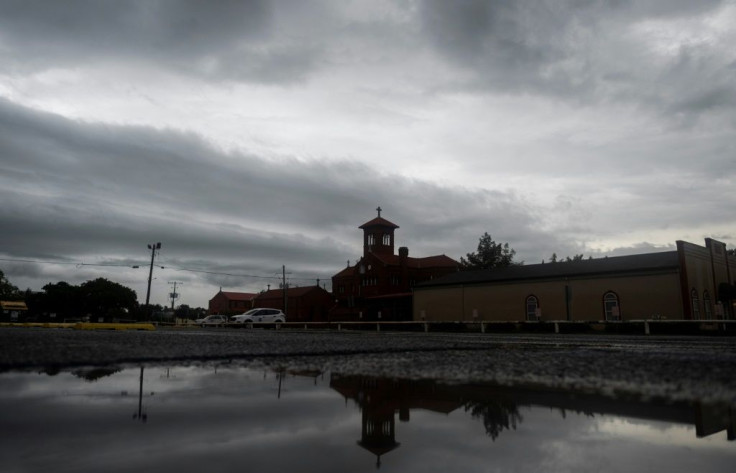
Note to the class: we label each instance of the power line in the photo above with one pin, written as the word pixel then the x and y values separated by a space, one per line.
pixel 222 274
pixel 138 265
pixel 78 264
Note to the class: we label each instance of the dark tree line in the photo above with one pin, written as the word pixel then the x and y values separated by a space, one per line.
pixel 490 255
pixel 96 300
pixel 554 259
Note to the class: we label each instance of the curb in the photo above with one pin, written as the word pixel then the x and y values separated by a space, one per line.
pixel 84 326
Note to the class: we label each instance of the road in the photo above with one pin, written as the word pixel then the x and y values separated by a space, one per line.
pixel 677 368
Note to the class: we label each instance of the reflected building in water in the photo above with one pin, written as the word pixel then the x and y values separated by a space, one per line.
pixel 499 408
pixel 380 399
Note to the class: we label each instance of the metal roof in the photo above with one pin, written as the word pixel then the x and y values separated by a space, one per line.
pixel 667 260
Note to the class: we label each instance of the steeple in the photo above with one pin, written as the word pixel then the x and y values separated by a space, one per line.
pixel 378 235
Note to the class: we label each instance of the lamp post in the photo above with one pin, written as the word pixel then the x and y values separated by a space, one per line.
pixel 153 247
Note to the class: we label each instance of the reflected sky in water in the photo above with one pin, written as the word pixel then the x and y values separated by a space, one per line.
pixel 227 418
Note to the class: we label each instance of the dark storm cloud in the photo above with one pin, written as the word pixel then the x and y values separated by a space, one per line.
pixel 225 40
pixel 549 48
pixel 73 190
pixel 579 50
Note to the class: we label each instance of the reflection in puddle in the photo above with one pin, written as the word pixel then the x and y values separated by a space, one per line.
pixel 226 418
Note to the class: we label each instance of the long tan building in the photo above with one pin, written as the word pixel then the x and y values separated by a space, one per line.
pixel 691 283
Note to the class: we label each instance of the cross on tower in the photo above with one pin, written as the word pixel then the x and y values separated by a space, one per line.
pixel 379 212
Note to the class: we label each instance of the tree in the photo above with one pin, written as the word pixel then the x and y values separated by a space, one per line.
pixel 498 414
pixel 8 292
pixel 182 311
pixel 96 298
pixel 104 298
pixel 489 255
pixel 554 259
pixel 61 299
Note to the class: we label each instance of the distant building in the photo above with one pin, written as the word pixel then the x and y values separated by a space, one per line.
pixel 379 285
pixel 12 311
pixel 230 303
pixel 303 304
pixel 691 283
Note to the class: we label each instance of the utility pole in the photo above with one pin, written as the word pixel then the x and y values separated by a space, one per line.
pixel 173 294
pixel 283 284
pixel 153 247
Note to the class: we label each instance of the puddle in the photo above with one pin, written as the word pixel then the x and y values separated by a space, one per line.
pixel 226 418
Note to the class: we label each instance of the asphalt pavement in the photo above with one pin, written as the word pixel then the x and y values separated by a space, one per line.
pixel 676 368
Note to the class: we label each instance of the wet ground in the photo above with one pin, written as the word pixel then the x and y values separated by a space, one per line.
pixel 674 368
pixel 223 400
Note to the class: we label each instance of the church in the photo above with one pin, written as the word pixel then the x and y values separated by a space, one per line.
pixel 379 285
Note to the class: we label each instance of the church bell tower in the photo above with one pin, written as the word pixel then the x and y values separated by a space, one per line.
pixel 378 236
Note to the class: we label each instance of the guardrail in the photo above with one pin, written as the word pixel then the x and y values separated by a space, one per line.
pixel 646 327
pixel 643 326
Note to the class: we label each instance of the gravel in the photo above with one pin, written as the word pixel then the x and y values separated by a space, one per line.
pixel 671 368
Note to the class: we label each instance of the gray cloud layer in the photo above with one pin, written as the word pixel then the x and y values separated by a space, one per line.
pixel 72 189
pixel 621 113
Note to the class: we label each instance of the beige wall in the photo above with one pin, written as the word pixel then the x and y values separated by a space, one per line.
pixel 640 296
pixel 705 268
pixel 665 294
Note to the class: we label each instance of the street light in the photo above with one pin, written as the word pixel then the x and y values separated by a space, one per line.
pixel 153 247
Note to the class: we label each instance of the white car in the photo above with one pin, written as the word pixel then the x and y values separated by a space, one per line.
pixel 260 315
pixel 213 320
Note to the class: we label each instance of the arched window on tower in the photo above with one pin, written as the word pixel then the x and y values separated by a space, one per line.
pixel 387 239
pixel 707 309
pixel 695 301
pixel 611 308
pixel 532 308
pixel 371 239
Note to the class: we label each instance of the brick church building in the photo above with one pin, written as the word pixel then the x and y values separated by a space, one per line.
pixel 379 285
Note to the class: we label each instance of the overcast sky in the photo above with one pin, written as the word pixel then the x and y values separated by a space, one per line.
pixel 245 136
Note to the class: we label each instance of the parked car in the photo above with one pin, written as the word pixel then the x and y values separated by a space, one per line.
pixel 260 315
pixel 213 320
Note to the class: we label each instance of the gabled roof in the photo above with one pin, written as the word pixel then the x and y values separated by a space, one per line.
pixel 379 222
pixel 349 271
pixel 290 292
pixel 437 261
pixel 238 296
pixel 667 260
